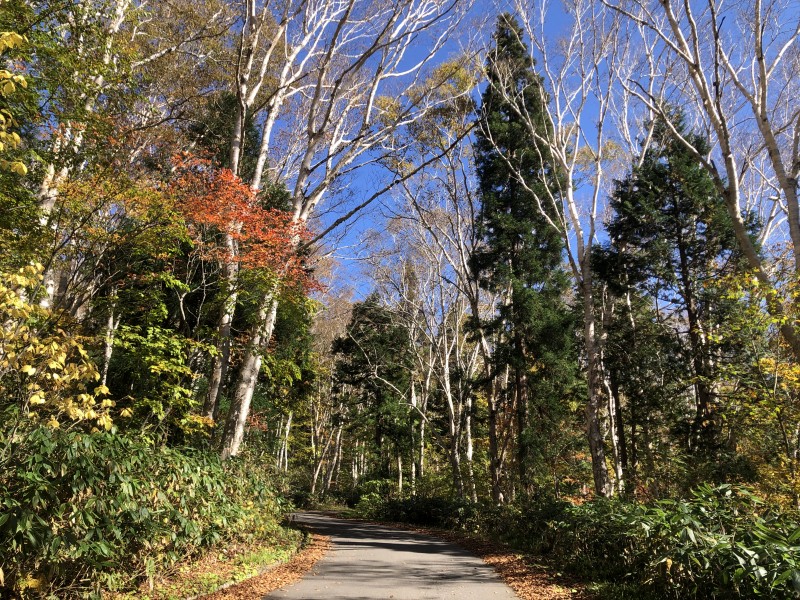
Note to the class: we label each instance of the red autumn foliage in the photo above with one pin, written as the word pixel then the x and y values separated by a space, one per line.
pixel 229 223
pixel 258 421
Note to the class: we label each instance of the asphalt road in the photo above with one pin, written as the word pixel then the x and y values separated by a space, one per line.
pixel 373 562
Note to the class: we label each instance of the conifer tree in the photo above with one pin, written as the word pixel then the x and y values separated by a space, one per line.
pixel 673 238
pixel 521 254
pixel 373 358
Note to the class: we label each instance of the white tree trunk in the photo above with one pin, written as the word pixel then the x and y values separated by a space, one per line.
pixel 108 346
pixel 248 376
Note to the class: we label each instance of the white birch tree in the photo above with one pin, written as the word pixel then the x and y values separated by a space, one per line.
pixel 337 99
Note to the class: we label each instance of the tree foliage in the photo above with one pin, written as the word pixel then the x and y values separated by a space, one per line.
pixel 521 254
pixel 162 169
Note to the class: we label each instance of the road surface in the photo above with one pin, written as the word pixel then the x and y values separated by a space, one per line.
pixel 374 562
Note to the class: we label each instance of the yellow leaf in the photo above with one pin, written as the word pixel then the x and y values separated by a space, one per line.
pixel 10 39
pixel 36 399
pixel 19 168
pixel 28 370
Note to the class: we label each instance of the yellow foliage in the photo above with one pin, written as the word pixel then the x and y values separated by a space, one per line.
pixel 10 39
pixel 44 370
pixel 32 582
pixel 9 81
pixel 763 407
pixel 390 109
pixel 197 424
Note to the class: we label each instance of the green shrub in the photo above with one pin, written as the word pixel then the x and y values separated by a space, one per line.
pixel 78 510
pixel 721 542
pixel 427 511
pixel 372 498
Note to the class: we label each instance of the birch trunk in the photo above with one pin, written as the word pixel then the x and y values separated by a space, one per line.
pixel 320 464
pixel 399 473
pixel 615 425
pixel 108 349
pixel 495 465
pixel 219 373
pixel 248 375
pixel 413 462
pixel 473 490
pixel 337 457
pixel 594 433
pixel 285 443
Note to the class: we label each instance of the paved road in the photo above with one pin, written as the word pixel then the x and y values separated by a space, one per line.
pixel 373 562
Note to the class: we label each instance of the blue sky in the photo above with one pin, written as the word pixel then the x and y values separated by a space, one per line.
pixel 349 239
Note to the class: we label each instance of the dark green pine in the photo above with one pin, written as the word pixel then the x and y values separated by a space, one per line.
pixel 671 238
pixel 520 250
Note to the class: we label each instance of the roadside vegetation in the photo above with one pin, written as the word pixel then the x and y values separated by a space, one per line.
pixel 719 542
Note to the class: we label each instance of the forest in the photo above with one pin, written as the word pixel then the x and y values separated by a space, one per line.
pixel 526 270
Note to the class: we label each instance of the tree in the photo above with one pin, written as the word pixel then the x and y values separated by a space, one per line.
pixel 732 61
pixel 580 72
pixel 521 253
pixel 421 268
pixel 762 408
pixel 374 359
pixel 672 238
pixel 646 379
pixel 415 276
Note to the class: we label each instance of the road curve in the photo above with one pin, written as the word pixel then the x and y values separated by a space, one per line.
pixel 374 562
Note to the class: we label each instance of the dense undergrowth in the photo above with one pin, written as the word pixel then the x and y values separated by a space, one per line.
pixel 82 513
pixel 719 542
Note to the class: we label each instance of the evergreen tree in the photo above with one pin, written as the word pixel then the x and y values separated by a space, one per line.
pixel 672 238
pixel 374 360
pixel 213 132
pixel 521 253
pixel 646 377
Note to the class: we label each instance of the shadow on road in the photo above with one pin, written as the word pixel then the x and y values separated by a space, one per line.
pixel 371 562
pixel 355 534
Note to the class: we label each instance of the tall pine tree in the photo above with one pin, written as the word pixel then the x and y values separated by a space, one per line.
pixel 672 238
pixel 521 254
